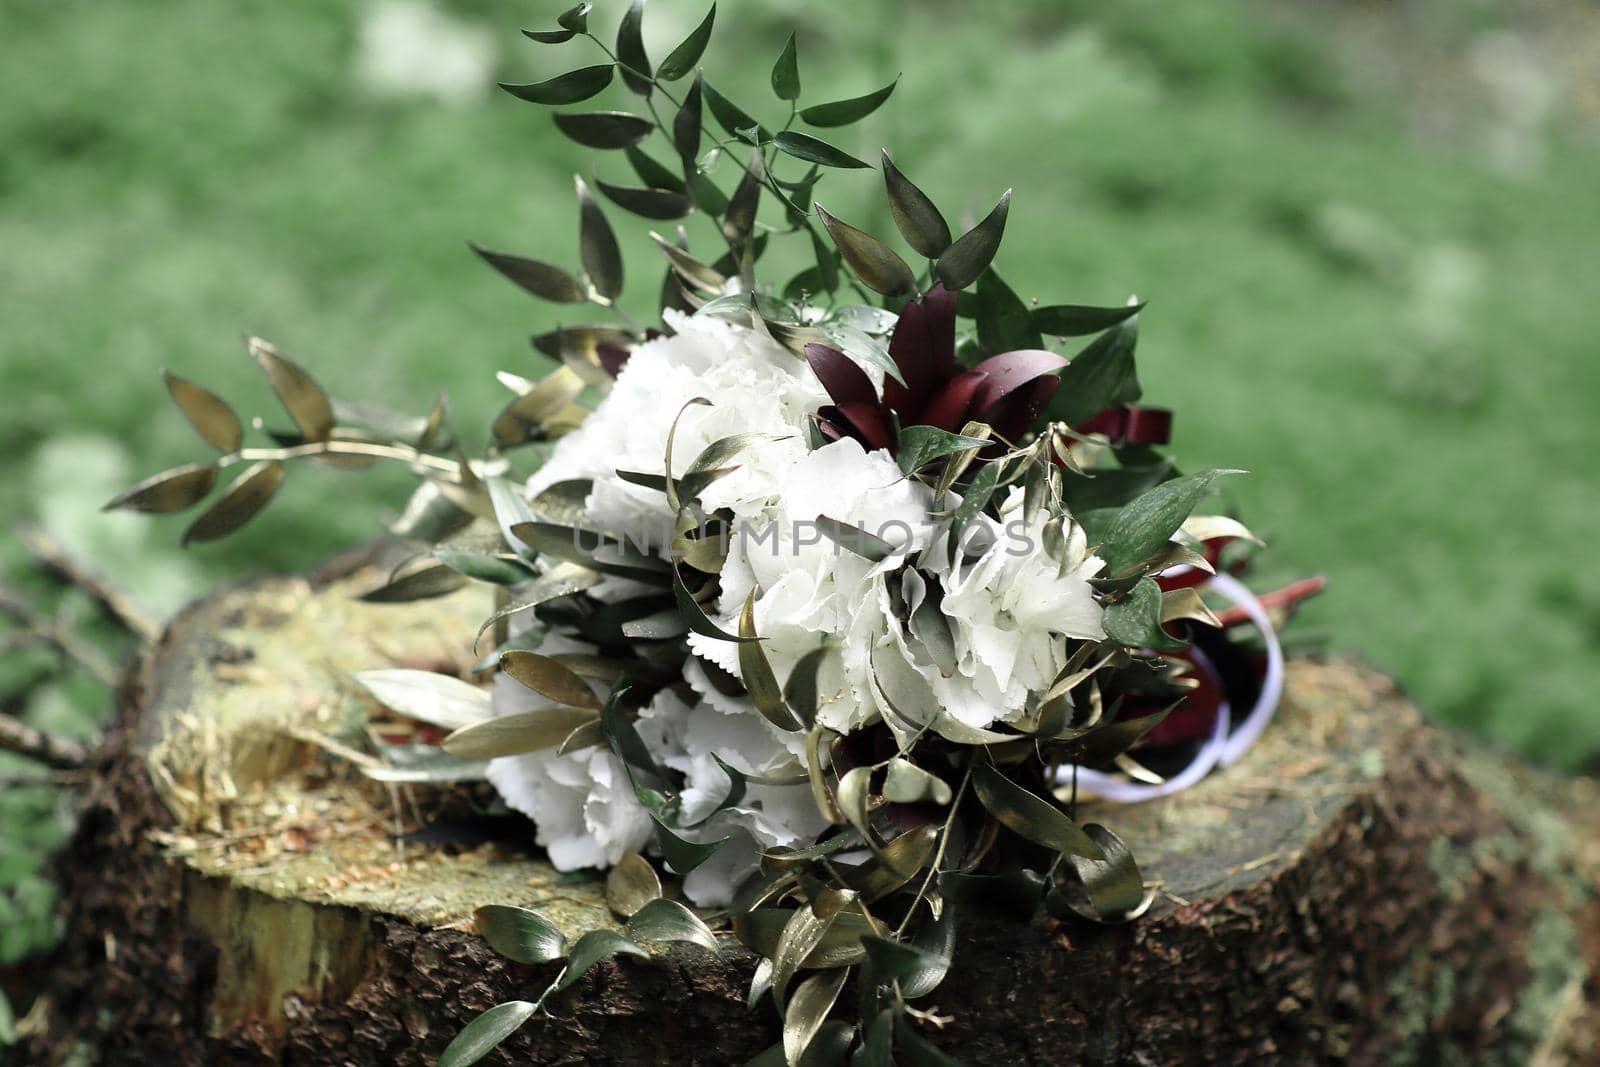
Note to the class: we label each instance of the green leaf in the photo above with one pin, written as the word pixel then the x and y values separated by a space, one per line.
pixel 844 112
pixel 915 216
pixel 239 503
pixel 550 36
pixel 786 73
pixel 667 920
pixel 424 584
pixel 1034 818
pixel 653 174
pixel 705 194
pixel 814 150
pixel 604 129
pixel 921 445
pixel 808 1010
pixel 597 245
pixel 1076 320
pixel 866 545
pixel 762 928
pixel 207 412
pixel 906 783
pixel 567 88
pixel 630 50
pixel 827 263
pixel 762 684
pixel 576 18
pixel 682 855
pixel 918 1051
pixel 591 550
pixel 660 204
pixel 1135 620
pixel 1113 888
pixel 683 58
pixel 1143 527
pixel 895 960
pixel 732 118
pixel 800 691
pixel 563 580
pixel 689 268
pixel 484 566
pixel 1003 321
pixel 592 947
pixel 1018 891
pixel 631 885
pixel 520 934
pixel 877 265
pixel 975 497
pixel 171 490
pixel 686 125
pixel 877 1041
pixel 1099 377
pixel 550 678
pixel 428 696
pixel 623 737
pixel 542 279
pixel 517 733
pixel 696 616
pixel 893 865
pixel 483 1035
pixel 739 221
pixel 852 797
pixel 937 943
pixel 963 262
pixel 297 391
pixel 802 934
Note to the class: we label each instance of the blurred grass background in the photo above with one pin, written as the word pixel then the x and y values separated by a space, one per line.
pixel 1368 234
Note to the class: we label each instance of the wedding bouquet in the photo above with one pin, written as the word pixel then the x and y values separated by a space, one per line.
pixel 830 598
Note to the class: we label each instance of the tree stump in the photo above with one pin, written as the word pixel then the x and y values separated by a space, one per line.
pixel 1364 887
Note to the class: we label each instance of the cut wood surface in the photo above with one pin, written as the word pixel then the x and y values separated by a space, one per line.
pixel 1364 887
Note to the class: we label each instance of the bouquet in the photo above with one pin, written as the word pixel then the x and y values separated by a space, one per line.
pixel 831 598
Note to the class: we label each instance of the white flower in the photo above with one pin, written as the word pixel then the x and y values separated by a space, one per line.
pixel 754 385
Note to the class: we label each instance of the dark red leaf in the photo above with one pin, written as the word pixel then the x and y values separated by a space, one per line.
pixel 949 408
pixel 924 348
pixel 864 422
pixel 612 357
pixel 1009 371
pixel 1017 413
pixel 845 382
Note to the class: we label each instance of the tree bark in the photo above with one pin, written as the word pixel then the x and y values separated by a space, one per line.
pixel 1364 887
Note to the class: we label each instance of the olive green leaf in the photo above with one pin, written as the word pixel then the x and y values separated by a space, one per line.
pixel 1113 888
pixel 814 150
pixel 549 678
pixel 667 920
pixel 631 55
pixel 597 245
pixel 683 58
pixel 1142 527
pixel 563 580
pixel 171 490
pixel 896 960
pixel 937 942
pixel 623 737
pixel 732 118
pixel 921 445
pixel 821 793
pixel 1034 818
pixel 594 946
pixel 603 129
pixel 483 1035
pixel 917 1050
pixel 827 263
pixel 878 266
pixel 297 391
pixel 562 501
pixel 435 768
pixel 428 696
pixel 960 265
pixel 866 545
pixel 1109 740
pixel 852 796
pixel 207 412
pixel 840 946
pixel 544 280
pixel 704 192
pixel 569 88
pixel 576 18
pixel 689 268
pixel 1002 318
pixel 423 584
pixel 765 693
pixel 786 73
pixel 906 783
pixel 696 616
pixel 520 934
pixel 802 934
pixel 808 1010
pixel 844 112
pixel 1187 604
pixel 515 734
pixel 631 885
pixel 589 735
pixel 662 204
pixel 494 568
pixel 877 1041
pixel 592 550
pixel 894 865
pixel 1099 377
pixel 1135 620
pixel 523 418
pixel 918 221
pixel 239 503
pixel 739 221
pixel 1076 320
pixel 652 173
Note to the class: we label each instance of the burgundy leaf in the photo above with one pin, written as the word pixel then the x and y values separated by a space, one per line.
pixel 1017 413
pixel 829 429
pixel 1010 371
pixel 949 407
pixel 866 422
pixel 924 348
pixel 612 357
pixel 845 382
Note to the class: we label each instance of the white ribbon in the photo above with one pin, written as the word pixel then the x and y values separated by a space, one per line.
pixel 1225 745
